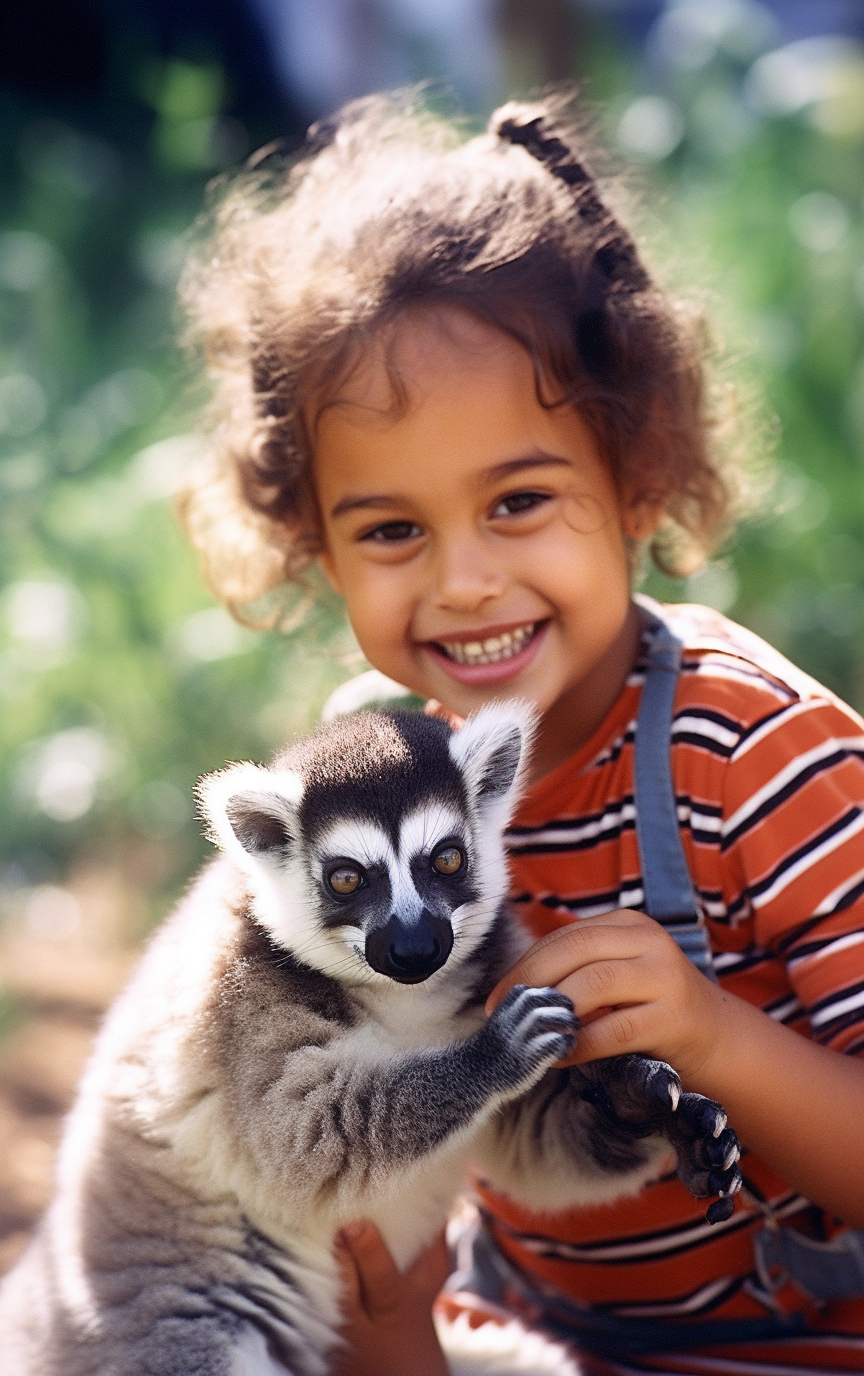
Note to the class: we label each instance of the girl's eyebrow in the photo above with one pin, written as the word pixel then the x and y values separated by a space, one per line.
pixel 377 500
pixel 390 501
pixel 538 460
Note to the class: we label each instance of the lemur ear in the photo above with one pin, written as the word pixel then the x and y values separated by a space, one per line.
pixel 251 809
pixel 256 820
pixel 491 748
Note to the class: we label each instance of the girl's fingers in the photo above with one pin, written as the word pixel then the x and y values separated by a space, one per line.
pixel 379 1282
pixel 429 1272
pixel 616 1032
pixel 582 944
pixel 607 983
pixel 351 1296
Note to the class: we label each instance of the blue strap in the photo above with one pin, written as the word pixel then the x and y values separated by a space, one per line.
pixel 666 882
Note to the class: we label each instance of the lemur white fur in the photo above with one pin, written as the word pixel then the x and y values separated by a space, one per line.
pixel 289 1057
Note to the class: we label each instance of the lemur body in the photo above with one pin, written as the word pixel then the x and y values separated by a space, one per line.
pixel 305 1043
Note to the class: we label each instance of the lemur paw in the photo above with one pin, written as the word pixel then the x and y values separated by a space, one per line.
pixel 535 1028
pixel 707 1151
pixel 646 1096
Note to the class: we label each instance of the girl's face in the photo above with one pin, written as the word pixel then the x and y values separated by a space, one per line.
pixel 476 536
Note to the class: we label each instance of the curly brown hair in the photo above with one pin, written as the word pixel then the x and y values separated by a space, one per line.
pixel 388 208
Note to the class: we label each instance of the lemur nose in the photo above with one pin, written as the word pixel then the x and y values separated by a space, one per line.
pixel 410 952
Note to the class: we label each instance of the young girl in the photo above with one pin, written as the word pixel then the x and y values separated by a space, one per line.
pixel 443 373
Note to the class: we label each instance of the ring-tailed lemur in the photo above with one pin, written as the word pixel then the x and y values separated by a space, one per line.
pixel 305 1044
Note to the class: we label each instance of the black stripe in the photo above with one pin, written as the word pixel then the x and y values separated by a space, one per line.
pixel 568 823
pixel 553 900
pixel 607 833
pixel 614 752
pixel 744 668
pixel 838 825
pixel 821 1004
pixel 706 809
pixel 839 1024
pixel 787 941
pixel 722 919
pixel 796 1009
pixel 810 948
pixel 691 822
pixel 739 907
pixel 847 899
pixel 562 847
pixel 732 1288
pixel 705 838
pixel 763 721
pixel 788 791
pixel 735 1224
pixel 714 747
pixel 622 1239
pixel 708 714
pixel 750 959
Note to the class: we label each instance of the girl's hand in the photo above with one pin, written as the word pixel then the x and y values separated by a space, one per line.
pixel 800 1106
pixel 633 989
pixel 388 1316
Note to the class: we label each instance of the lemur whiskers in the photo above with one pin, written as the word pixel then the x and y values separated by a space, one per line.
pixel 305 1043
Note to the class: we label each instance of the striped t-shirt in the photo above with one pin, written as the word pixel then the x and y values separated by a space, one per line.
pixel 768 770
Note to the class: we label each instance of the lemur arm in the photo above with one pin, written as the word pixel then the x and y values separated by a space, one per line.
pixel 336 1123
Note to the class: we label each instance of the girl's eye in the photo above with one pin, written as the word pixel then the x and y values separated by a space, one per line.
pixel 449 860
pixel 517 502
pixel 345 879
pixel 391 531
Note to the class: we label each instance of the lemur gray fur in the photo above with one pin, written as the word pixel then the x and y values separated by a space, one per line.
pixel 304 1044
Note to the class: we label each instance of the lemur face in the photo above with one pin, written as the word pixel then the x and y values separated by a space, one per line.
pixel 374 847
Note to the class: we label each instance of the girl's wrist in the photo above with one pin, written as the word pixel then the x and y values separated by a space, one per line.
pixel 727 1028
pixel 710 1045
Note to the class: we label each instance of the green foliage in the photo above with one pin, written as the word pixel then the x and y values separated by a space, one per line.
pixel 762 215
pixel 120 680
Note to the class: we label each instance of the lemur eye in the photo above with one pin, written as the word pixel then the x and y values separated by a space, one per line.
pixel 345 879
pixel 449 860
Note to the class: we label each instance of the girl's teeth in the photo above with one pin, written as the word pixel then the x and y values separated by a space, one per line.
pixel 490 651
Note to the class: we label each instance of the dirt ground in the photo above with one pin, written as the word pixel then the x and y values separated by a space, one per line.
pixel 63 957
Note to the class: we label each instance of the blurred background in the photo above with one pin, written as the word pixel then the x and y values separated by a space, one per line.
pixel 121 680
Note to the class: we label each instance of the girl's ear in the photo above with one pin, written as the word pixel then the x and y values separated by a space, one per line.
pixel 328 568
pixel 641 514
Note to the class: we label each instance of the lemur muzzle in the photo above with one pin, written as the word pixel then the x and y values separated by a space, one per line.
pixel 410 952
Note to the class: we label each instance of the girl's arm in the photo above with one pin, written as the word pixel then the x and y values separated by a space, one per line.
pixel 798 1105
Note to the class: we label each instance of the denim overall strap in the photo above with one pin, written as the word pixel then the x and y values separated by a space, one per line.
pixel 666 882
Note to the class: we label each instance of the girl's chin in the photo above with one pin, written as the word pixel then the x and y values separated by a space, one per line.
pixel 489 675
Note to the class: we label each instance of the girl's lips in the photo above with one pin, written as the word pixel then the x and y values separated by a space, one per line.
pixel 479 675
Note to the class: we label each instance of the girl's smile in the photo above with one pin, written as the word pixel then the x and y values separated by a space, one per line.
pixel 476 533
pixel 490 655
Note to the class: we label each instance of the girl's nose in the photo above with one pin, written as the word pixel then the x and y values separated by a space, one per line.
pixel 466 576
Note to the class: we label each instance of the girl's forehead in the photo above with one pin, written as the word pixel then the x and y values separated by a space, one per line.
pixel 419 353
pixel 464 426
